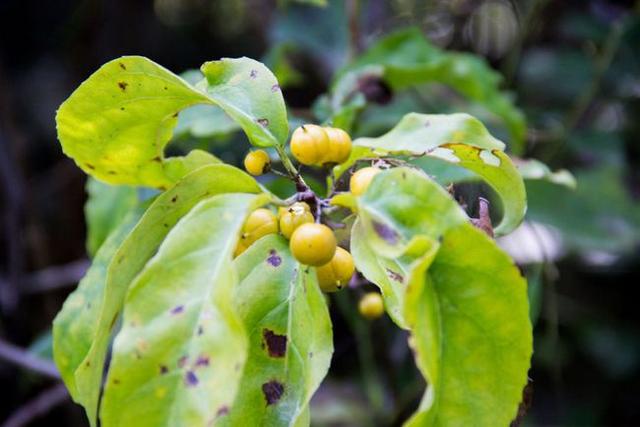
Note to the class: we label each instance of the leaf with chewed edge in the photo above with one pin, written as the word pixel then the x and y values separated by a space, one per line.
pixel 290 337
pixel 178 357
pixel 459 139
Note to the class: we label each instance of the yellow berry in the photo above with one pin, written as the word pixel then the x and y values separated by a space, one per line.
pixel 259 223
pixel 310 144
pixel 361 179
pixel 240 247
pixel 293 217
pixel 313 244
pixel 337 272
pixel 257 162
pixel 339 145
pixel 371 305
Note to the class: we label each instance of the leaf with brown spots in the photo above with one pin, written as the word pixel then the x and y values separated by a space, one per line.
pixel 186 285
pixel 108 286
pixel 286 321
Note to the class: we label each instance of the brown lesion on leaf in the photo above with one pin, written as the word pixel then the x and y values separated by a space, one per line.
pixel 483 222
pixel 202 361
pixel 122 66
pixel 263 122
pixel 393 275
pixel 200 330
pixel 273 391
pixel 115 381
pixel 182 361
pixel 275 88
pixel 112 172
pixel 386 233
pixel 175 115
pixel 123 86
pixel 274 259
pixel 90 166
pixel 253 74
pixel 276 344
pixel 190 379
pixel 164 369
pixel 177 309
pixel 222 411
pixel 174 198
pixel 157 159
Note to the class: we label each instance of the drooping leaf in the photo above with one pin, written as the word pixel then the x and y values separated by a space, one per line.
pixel 290 339
pixel 459 139
pixel 81 344
pixel 116 125
pixel 178 358
pixel 249 93
pixel 400 213
pixel 469 320
pixel 74 326
pixel 105 208
pixel 408 59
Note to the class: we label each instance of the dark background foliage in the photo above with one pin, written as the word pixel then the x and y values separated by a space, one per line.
pixel 574 67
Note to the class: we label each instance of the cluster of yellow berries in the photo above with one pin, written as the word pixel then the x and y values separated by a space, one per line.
pixel 315 145
pixel 310 243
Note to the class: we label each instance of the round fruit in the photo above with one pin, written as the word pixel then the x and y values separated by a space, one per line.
pixel 339 145
pixel 240 247
pixel 293 217
pixel 310 144
pixel 313 244
pixel 371 305
pixel 257 162
pixel 337 272
pixel 361 179
pixel 259 223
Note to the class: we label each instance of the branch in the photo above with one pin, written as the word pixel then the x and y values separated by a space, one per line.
pixel 20 357
pixel 55 277
pixel 38 406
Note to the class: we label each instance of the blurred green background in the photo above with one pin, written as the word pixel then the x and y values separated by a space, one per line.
pixel 572 67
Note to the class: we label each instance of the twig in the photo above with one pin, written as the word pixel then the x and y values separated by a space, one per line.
pixel 355 42
pixel 38 406
pixel 55 277
pixel 20 357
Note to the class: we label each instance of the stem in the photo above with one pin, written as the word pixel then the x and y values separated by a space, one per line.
pixel 291 170
pixel 368 370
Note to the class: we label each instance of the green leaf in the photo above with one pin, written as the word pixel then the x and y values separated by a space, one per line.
pixel 178 167
pixel 81 344
pixel 105 208
pixel 408 59
pixel 77 321
pixel 117 123
pixel 178 357
pixel 249 93
pixel 290 339
pixel 401 204
pixel 462 140
pixel 470 330
pixel 388 274
pixel 532 169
